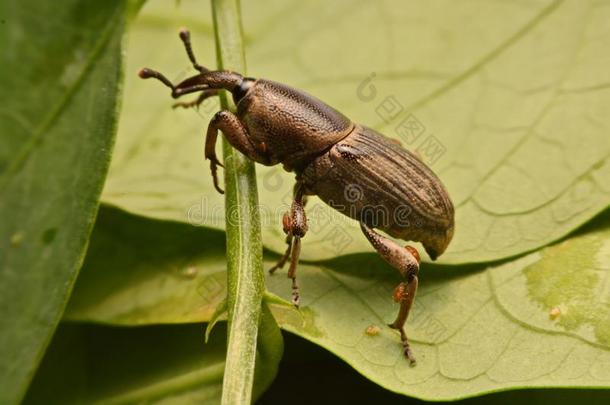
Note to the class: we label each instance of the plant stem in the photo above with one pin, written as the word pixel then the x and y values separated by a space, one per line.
pixel 244 246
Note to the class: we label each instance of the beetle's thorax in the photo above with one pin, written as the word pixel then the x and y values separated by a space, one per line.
pixel 293 127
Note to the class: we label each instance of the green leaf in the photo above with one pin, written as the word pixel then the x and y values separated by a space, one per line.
pixel 59 82
pixel 310 360
pixel 474 329
pixel 139 272
pixel 269 352
pixel 94 364
pixel 517 99
pixel 124 366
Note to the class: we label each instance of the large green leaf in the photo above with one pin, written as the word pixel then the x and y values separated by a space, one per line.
pixel 157 364
pixel 341 384
pixel 538 321
pixel 88 364
pixel 509 108
pixel 59 83
pixel 138 272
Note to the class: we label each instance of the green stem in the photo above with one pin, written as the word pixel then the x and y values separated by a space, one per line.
pixel 244 246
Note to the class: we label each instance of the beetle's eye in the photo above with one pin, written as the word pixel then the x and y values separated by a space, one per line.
pixel 240 91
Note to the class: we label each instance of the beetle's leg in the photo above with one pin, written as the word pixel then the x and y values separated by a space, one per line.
pixel 286 222
pixel 237 135
pixel 406 261
pixel 205 94
pixel 292 270
pixel 295 227
pixel 185 36
pixel 287 227
pixel 404 294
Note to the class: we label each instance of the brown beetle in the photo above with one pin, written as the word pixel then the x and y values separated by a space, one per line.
pixel 351 167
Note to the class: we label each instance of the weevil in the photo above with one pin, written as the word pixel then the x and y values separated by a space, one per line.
pixel 351 167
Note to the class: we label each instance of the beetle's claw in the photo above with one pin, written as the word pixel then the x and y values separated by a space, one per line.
pixel 406 348
pixel 296 299
pixel 409 355
pixel 216 186
pixel 213 167
pixel 214 162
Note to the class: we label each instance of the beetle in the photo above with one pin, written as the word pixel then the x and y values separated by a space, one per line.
pixel 351 167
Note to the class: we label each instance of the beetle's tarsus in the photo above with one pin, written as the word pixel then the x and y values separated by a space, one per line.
pixel 292 270
pixel 406 347
pixel 405 295
pixel 296 251
pixel 214 163
pixel 296 297
pixel 409 355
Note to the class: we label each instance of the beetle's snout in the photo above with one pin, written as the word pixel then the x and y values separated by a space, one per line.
pixel 438 244
pixel 432 253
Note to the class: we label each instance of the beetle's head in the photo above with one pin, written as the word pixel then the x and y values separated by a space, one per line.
pixel 207 83
pixel 437 243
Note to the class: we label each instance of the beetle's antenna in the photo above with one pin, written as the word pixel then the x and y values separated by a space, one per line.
pixel 147 73
pixel 185 36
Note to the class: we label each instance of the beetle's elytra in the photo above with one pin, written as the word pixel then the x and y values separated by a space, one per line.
pixel 351 167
